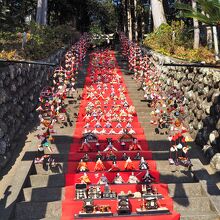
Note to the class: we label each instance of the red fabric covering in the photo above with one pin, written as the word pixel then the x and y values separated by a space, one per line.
pixel 70 206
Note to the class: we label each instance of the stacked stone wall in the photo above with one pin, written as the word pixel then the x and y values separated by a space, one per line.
pixel 20 86
pixel 201 88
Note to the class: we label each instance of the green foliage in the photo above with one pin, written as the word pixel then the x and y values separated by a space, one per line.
pixel 13 13
pixel 42 42
pixel 167 37
pixel 96 32
pixel 95 29
pixel 177 41
pixel 208 11
pixel 104 13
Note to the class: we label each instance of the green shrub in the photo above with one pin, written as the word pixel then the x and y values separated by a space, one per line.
pixel 177 41
pixel 42 41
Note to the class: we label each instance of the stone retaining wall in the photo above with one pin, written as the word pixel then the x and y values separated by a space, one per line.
pixel 20 86
pixel 201 88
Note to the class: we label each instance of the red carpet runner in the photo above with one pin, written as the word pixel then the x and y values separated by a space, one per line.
pixel 105 97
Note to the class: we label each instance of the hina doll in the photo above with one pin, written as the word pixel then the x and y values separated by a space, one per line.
pixel 103 131
pixel 85 157
pixel 84 179
pixel 40 155
pixel 135 146
pixel 87 125
pixel 147 178
pixel 137 156
pixel 118 179
pixel 114 167
pixel 98 125
pixel 124 156
pixel 103 118
pixel 103 180
pixel 82 166
pixel 129 164
pixel 99 156
pixel 123 145
pixel 131 110
pixel 110 147
pixel 130 119
pixel 99 166
pixel 112 132
pixel 128 125
pixel 143 164
pixel 111 156
pixel 44 141
pixel 85 146
pixel 95 131
pixel 123 113
pixel 131 131
pixel 133 179
pixel 87 118
pixel 121 131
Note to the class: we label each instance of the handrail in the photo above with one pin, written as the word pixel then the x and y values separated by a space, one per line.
pixel 28 62
pixel 199 65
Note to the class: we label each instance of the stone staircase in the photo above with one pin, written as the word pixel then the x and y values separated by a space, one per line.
pixel 41 198
pixel 190 198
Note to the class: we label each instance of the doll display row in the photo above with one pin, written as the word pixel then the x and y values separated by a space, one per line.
pixel 127 142
pixel 103 190
pixel 147 206
pixel 99 166
pixel 148 195
pixel 110 156
pixel 168 104
pixel 52 108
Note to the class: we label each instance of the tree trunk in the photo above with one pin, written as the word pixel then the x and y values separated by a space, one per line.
pixel 135 21
pixel 158 13
pixel 44 13
pixel 39 11
pixel 196 27
pixel 129 20
pixel 215 37
pixel 209 37
pixel 41 17
pixel 142 29
pixel 125 15
pixel 149 19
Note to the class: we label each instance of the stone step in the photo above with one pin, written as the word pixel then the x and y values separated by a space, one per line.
pixel 63 157
pixel 183 190
pixel 193 204
pixel 53 218
pixel 158 145
pixel 160 155
pixel 176 177
pixel 62 167
pixel 204 215
pixel 163 165
pixel 44 194
pixel 38 210
pixel 53 210
pixel 56 180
